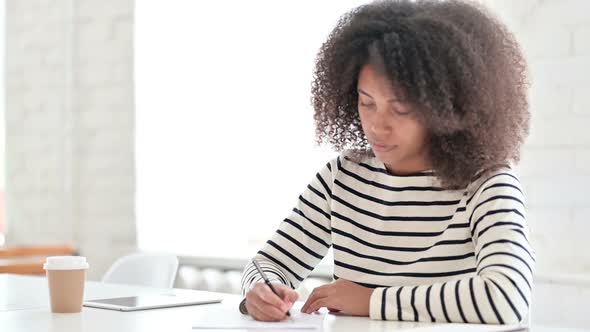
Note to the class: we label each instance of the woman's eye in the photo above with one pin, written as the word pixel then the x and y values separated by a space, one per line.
pixel 366 104
pixel 398 112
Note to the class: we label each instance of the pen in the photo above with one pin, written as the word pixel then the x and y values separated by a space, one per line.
pixel 266 280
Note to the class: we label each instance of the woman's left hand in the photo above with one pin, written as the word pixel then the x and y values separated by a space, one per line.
pixel 340 296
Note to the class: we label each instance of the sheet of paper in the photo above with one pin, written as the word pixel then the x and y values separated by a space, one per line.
pixel 298 321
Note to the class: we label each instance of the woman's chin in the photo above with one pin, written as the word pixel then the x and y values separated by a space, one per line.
pixel 386 157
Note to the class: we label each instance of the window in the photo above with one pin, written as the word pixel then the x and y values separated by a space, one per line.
pixel 225 136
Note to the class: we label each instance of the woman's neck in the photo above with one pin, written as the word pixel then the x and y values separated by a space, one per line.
pixel 409 169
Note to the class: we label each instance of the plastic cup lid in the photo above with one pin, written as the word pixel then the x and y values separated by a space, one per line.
pixel 65 263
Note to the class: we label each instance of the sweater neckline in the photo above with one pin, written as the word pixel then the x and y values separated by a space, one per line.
pixel 428 172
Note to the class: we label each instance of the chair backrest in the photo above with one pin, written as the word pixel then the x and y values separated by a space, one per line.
pixel 144 269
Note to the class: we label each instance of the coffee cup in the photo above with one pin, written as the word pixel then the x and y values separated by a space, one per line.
pixel 66 276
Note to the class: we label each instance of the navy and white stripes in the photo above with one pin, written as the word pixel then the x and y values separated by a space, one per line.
pixel 430 254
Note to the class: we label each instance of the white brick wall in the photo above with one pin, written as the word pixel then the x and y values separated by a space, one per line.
pixel 70 126
pixel 555 170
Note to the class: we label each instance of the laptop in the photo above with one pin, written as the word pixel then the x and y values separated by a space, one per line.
pixel 143 302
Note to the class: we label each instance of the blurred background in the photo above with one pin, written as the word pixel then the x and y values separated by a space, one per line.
pixel 150 126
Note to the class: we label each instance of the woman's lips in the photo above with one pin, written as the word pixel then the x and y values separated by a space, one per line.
pixel 382 148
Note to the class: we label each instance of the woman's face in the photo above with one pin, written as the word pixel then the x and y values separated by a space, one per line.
pixel 390 124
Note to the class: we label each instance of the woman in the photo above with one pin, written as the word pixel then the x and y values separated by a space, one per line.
pixel 426 101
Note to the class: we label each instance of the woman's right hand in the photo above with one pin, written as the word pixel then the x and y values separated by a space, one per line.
pixel 263 305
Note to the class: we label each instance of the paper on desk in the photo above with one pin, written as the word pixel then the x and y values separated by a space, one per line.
pixel 297 321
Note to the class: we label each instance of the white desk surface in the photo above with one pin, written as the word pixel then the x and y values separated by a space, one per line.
pixel 24 306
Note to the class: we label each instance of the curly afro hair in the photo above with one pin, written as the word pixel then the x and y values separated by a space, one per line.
pixel 455 61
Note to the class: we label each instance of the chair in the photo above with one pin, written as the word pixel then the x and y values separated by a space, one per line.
pixel 29 259
pixel 144 269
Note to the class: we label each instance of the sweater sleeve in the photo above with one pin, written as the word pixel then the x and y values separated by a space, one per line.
pixel 500 290
pixel 302 239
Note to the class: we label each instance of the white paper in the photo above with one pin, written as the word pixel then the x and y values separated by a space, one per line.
pixel 297 321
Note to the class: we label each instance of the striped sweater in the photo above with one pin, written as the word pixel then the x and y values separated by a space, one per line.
pixel 430 254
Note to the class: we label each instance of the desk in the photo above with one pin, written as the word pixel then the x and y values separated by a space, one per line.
pixel 24 306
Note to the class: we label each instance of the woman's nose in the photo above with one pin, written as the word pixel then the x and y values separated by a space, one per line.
pixel 380 131
pixel 380 126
